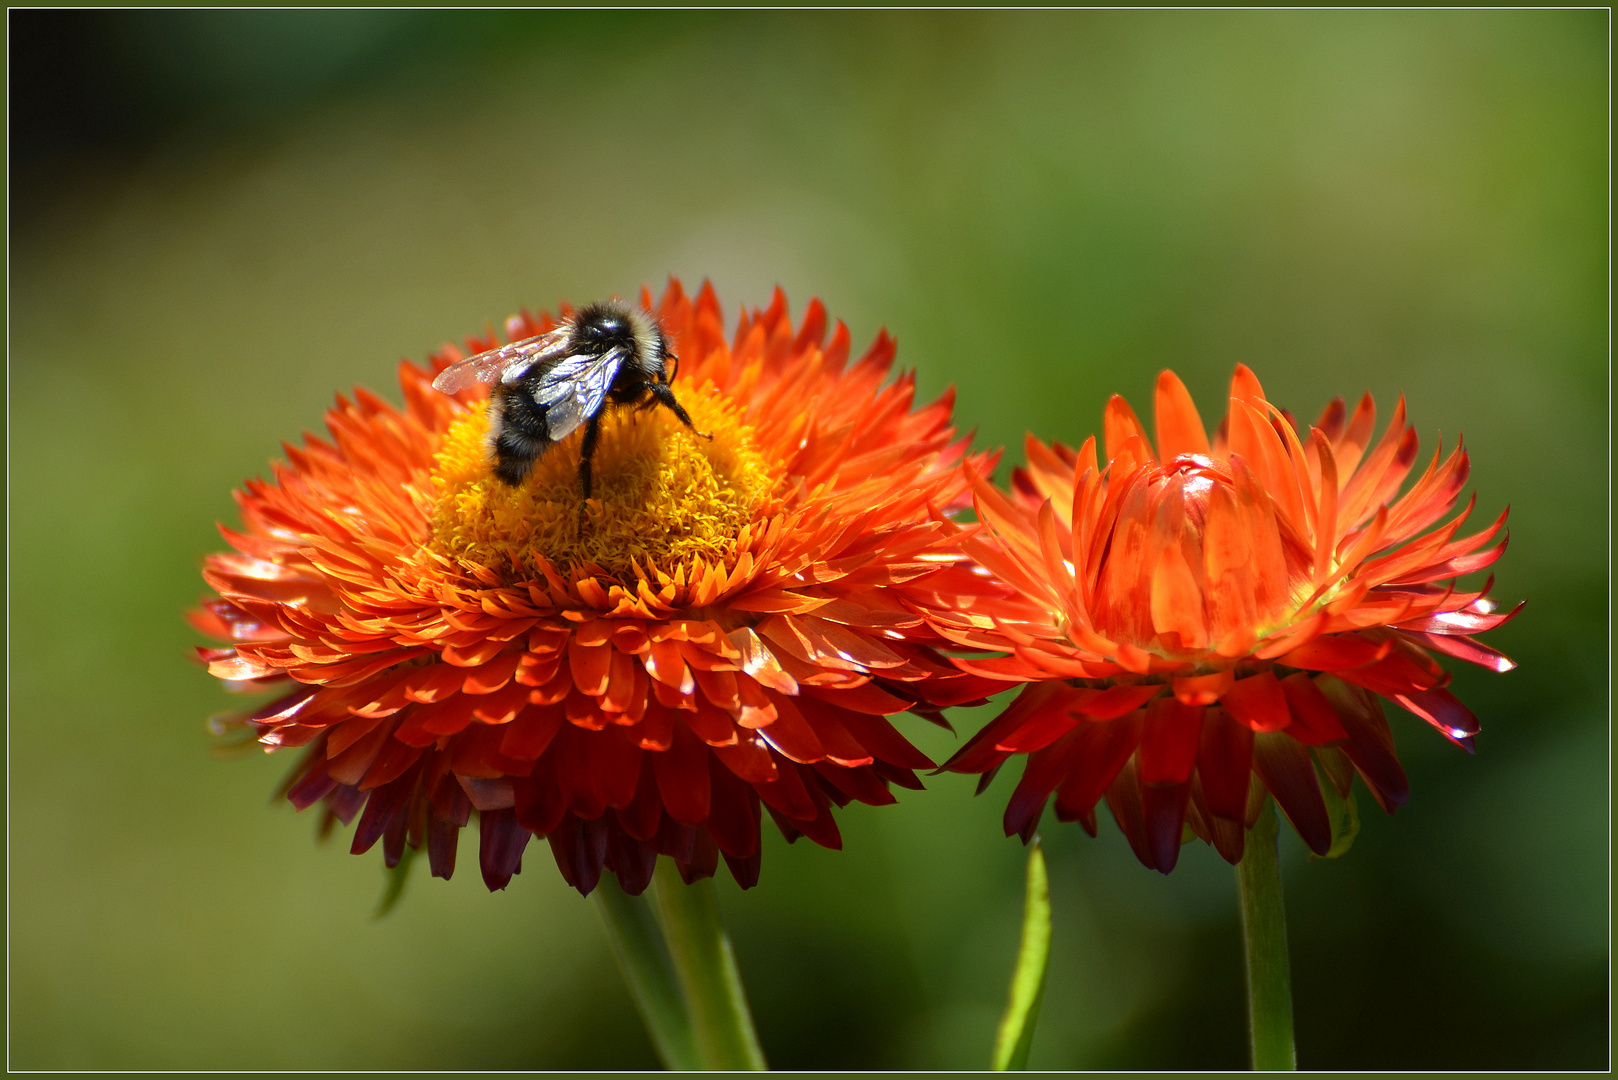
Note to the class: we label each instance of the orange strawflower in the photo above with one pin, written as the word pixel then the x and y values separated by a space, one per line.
pixel 1195 615
pixel 732 627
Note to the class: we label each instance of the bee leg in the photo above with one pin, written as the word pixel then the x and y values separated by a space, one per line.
pixel 587 451
pixel 665 397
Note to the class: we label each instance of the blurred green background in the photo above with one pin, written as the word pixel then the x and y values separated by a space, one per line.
pixel 221 218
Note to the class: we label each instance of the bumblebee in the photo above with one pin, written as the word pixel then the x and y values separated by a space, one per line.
pixel 545 388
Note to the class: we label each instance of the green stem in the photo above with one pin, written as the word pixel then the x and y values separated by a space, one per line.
pixel 644 959
pixel 1016 1033
pixel 1264 934
pixel 707 972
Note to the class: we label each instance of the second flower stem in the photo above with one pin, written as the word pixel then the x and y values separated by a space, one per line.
pixel 637 942
pixel 706 968
pixel 1264 936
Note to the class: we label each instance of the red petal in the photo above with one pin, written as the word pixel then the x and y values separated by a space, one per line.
pixel 682 777
pixel 1259 702
pixel 881 738
pixel 1116 701
pixel 1445 712
pixel 1314 721
pixel 614 758
pixel 1100 751
pixel 1225 764
pixel 1169 740
pixel 1335 653
pixel 749 758
pixel 1464 648
pixel 792 735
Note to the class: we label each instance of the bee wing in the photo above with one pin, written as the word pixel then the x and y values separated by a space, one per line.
pixel 507 363
pixel 574 390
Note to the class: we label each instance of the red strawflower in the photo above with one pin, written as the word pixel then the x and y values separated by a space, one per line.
pixel 1195 616
pixel 732 627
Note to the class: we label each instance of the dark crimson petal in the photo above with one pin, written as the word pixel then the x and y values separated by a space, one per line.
pixel 881 738
pixel 786 792
pixel 500 847
pixel 856 783
pixel 1088 821
pixel 393 837
pixel 346 802
pixel 978 754
pixel 896 774
pixel 315 785
pixel 745 870
pixel 1163 814
pixel 1123 799
pixel 1228 836
pixel 386 801
pixel 642 816
pixel 1049 723
pixel 704 858
pixel 1282 764
pixel 442 839
pixel 734 816
pixel 449 801
pixel 1044 770
pixel 822 828
pixel 1103 747
pixel 789 831
pixel 1225 764
pixel 538 800
pixel 631 859
pixel 675 840
pixel 1445 712
pixel 1370 743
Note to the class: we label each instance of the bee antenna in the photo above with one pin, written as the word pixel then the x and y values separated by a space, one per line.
pixel 676 358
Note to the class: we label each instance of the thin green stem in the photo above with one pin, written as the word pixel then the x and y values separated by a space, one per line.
pixel 1016 1034
pixel 643 957
pixel 706 968
pixel 1264 935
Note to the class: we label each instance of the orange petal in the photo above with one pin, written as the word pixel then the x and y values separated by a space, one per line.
pixel 1179 427
pixel 1203 689
pixel 1119 425
pixel 1244 385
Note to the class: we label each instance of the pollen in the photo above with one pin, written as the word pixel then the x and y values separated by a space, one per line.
pixel 662 496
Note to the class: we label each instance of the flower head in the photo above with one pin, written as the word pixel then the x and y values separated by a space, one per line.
pixel 1203 614
pixel 730 628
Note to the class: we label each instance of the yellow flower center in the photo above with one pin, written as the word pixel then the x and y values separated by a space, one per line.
pixel 661 495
